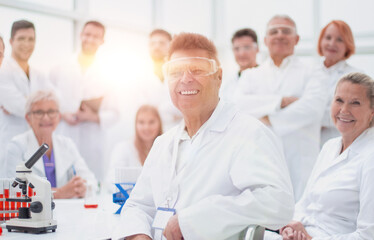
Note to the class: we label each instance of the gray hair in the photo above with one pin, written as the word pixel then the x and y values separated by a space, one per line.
pixel 285 17
pixel 46 95
pixel 362 80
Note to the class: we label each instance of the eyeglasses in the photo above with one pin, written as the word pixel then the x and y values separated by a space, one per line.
pixel 52 113
pixel 196 67
pixel 245 48
pixel 284 29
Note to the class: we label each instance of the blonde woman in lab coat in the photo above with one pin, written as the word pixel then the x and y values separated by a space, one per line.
pixel 62 165
pixel 133 153
pixel 215 173
pixel 338 201
pixel 335 45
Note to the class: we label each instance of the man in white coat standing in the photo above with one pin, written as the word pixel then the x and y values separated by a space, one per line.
pixel 153 88
pixel 245 49
pixel 215 173
pixel 88 106
pixel 284 94
pixel 17 81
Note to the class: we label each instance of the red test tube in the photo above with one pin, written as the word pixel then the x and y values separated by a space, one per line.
pixel 1 200
pixel 6 186
pixel 12 204
pixel 18 195
pixel 30 194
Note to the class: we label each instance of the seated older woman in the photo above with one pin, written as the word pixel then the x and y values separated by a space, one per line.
pixel 62 164
pixel 338 201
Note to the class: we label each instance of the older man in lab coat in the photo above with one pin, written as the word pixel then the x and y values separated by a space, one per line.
pixel 285 96
pixel 88 106
pixel 17 81
pixel 215 173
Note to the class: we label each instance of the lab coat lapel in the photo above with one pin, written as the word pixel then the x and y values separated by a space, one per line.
pixel 20 78
pixel 62 162
pixel 32 146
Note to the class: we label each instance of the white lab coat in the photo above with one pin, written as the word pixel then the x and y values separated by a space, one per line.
pixel 235 175
pixel 15 87
pixel 150 90
pixel 74 86
pixel 124 155
pixel 229 86
pixel 260 92
pixel 332 76
pixel 66 154
pixel 338 202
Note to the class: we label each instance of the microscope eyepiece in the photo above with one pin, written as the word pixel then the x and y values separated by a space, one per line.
pixel 38 154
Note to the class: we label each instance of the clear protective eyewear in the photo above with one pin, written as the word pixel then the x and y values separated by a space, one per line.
pixel 245 48
pixel 52 113
pixel 282 28
pixel 195 66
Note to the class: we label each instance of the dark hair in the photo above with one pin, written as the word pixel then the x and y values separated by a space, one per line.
pixel 245 32
pixel 21 24
pixel 162 32
pixel 96 24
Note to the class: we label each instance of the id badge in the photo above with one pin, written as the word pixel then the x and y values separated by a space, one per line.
pixel 162 217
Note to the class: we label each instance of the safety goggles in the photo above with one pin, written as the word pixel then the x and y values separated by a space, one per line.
pixel 282 28
pixel 245 48
pixel 196 67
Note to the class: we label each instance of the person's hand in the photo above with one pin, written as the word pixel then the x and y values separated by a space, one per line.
pixel 138 237
pixel 4 110
pixel 288 100
pixel 296 231
pixel 70 118
pixel 76 187
pixel 287 233
pixel 172 230
pixel 86 114
pixel 265 120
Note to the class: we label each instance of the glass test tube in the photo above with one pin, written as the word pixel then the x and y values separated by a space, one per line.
pixel 6 186
pixel 12 204
pixel 1 200
pixel 18 194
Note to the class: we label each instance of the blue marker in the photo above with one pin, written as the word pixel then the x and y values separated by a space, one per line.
pixel 74 172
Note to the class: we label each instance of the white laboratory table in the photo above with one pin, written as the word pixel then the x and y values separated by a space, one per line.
pixel 76 222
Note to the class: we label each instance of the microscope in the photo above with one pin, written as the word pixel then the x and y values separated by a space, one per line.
pixel 38 217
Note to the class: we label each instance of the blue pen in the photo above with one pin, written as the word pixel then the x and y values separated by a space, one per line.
pixel 74 172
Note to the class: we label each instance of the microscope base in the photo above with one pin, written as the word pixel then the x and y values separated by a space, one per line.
pixel 31 227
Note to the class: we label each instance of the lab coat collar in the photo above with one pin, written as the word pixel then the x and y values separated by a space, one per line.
pixel 17 68
pixel 61 167
pixel 217 121
pixel 358 146
pixel 286 61
pixel 32 146
pixel 337 67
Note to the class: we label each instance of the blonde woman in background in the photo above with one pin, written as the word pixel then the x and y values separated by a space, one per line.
pixel 133 153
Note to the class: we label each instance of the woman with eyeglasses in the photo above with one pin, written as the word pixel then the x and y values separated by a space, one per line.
pixel 335 45
pixel 62 165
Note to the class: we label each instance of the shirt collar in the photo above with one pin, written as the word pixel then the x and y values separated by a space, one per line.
pixel 339 66
pixel 210 122
pixel 285 62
